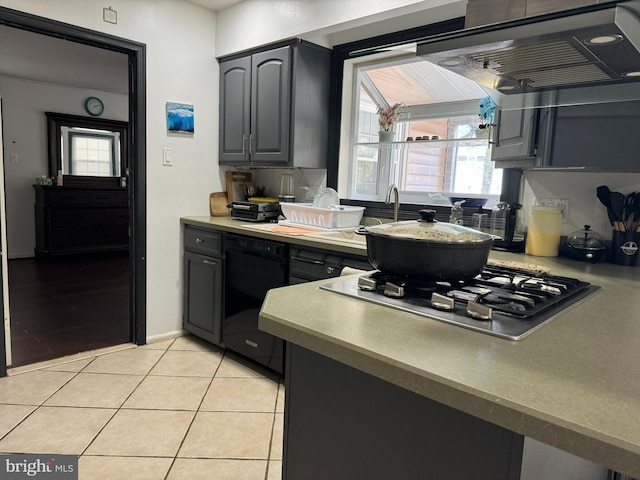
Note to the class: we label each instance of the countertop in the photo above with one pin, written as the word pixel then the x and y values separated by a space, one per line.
pixel 313 238
pixel 573 384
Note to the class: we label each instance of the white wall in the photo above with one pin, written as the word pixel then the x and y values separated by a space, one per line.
pixel 329 22
pixel 180 67
pixel 25 137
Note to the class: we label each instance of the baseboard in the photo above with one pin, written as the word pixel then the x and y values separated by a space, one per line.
pixel 16 256
pixel 166 336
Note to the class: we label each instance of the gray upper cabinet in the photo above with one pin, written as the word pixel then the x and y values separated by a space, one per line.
pixel 514 138
pixel 235 107
pixel 274 107
pixel 601 135
pixel 597 136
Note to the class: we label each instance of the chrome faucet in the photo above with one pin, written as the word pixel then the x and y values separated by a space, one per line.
pixel 396 198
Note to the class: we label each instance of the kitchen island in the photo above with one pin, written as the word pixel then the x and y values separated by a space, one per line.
pixel 574 384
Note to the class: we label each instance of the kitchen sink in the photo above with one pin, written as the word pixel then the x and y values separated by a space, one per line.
pixel 348 236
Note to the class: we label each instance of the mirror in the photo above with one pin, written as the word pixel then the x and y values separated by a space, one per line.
pixel 89 151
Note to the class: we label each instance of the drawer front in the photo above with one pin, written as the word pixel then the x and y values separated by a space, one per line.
pixel 104 198
pixel 202 241
pixel 68 197
pixel 117 217
pixel 123 198
pixel 76 217
pixel 117 235
pixel 307 265
pixel 69 238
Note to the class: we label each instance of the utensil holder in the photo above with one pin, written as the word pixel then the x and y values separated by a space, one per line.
pixel 624 248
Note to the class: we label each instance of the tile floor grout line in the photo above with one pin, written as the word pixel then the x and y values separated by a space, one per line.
pixel 218 373
pixel 148 374
pixel 194 416
pixel 175 457
pixel 41 404
pixel 273 426
pixel 124 401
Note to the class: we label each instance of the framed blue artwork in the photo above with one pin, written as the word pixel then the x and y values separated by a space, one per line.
pixel 179 118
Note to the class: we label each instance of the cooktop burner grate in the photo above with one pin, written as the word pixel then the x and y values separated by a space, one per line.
pixel 501 301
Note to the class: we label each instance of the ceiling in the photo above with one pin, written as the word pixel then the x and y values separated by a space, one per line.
pixel 42 58
pixel 215 5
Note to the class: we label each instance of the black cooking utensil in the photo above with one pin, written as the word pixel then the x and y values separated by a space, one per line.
pixel 632 211
pixel 604 195
pixel 617 207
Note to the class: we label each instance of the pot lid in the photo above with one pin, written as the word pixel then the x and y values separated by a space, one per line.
pixel 427 228
pixel 586 239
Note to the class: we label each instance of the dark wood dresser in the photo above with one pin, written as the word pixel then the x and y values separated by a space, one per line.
pixel 80 220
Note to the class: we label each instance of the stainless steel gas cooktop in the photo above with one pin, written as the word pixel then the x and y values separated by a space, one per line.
pixel 501 301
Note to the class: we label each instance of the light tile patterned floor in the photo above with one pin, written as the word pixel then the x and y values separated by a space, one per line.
pixel 179 409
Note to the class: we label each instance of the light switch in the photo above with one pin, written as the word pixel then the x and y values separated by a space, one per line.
pixel 167 159
pixel 13 158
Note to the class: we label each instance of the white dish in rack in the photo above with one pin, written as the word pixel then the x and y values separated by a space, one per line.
pixel 325 198
pixel 324 218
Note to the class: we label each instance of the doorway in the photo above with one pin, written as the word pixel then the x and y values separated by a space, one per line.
pixel 137 151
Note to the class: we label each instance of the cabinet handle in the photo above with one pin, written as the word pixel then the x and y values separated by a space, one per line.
pixel 305 260
pixel 244 144
pixel 252 144
pixel 209 262
pixel 198 241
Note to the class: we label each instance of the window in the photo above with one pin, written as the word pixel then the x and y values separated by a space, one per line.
pixel 438 103
pixel 93 152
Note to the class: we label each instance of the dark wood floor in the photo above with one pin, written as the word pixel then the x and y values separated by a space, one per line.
pixel 67 305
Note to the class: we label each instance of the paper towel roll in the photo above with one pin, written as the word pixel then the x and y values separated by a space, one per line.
pixel 350 271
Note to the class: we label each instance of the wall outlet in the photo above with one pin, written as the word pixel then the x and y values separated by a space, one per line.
pixel 561 204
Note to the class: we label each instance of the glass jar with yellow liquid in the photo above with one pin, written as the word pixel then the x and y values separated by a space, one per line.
pixel 543 236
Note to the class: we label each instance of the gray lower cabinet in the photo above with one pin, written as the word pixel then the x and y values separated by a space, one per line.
pixel 343 424
pixel 203 284
pixel 274 107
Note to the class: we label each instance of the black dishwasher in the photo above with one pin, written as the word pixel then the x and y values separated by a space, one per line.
pixel 252 267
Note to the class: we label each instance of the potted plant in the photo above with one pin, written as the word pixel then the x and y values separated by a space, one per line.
pixel 387 117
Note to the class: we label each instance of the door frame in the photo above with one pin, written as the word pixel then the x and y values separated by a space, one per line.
pixel 137 148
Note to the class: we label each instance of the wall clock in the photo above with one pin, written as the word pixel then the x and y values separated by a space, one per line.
pixel 94 106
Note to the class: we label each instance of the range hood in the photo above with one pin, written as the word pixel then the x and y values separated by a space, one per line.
pixel 573 57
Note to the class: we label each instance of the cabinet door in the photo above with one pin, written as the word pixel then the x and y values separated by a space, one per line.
pixel 202 314
pixel 235 91
pixel 602 135
pixel 514 135
pixel 271 106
